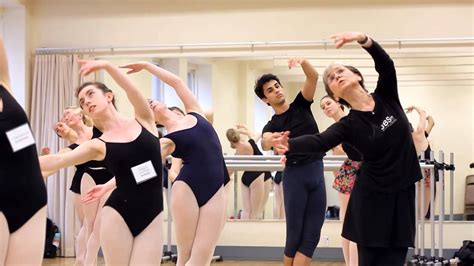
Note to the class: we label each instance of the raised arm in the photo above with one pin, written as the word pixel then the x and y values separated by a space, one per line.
pixel 143 113
pixel 242 129
pixel 387 82
pixel 190 102
pixel 309 87
pixel 419 138
pixel 421 128
pixel 209 114
pixel 4 73
pixel 430 124
pixel 90 150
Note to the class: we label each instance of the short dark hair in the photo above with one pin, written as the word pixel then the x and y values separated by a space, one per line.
pixel 353 70
pixel 99 85
pixel 261 81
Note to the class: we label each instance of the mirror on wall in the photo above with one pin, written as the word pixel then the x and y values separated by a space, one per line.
pixel 439 82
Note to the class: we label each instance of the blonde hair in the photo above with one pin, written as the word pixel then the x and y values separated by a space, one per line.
pixel 233 135
pixel 85 119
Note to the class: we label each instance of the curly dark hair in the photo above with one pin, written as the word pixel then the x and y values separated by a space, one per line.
pixel 261 81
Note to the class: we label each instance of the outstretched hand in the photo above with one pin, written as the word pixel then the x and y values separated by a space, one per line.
pixel 409 109
pixel 279 142
pixel 417 109
pixel 242 129
pixel 346 37
pixel 89 66
pixel 45 151
pixel 135 67
pixel 295 61
pixel 95 193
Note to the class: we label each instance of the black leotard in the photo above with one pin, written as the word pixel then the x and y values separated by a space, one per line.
pixel 249 176
pixel 278 177
pixel 22 189
pixel 203 162
pixel 96 169
pixel 138 204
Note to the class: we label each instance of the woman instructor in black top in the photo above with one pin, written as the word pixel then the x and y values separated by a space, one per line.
pixel 381 213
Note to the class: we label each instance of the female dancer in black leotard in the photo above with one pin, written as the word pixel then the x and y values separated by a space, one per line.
pixel 76 127
pixel 133 213
pixel 22 189
pixel 252 181
pixel 64 131
pixel 197 198
pixel 94 173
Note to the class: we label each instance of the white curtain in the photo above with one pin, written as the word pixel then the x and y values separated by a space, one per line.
pixel 55 78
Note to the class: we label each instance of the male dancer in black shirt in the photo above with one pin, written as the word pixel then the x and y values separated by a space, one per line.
pixel 304 189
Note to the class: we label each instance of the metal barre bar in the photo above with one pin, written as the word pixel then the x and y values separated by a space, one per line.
pixel 441 206
pixel 236 211
pixel 268 162
pixel 275 157
pixel 422 215
pixel 416 248
pixel 251 43
pixel 451 187
pixel 432 213
pixel 270 167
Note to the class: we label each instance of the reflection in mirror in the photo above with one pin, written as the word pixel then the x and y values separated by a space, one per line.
pixel 225 84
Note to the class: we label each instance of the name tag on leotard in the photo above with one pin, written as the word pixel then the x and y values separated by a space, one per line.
pixel 143 172
pixel 20 137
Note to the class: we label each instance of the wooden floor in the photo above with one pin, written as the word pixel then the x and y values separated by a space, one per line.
pixel 70 262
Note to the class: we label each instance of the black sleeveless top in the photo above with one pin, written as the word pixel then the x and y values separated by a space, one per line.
pixel 96 169
pixel 138 203
pixel 22 188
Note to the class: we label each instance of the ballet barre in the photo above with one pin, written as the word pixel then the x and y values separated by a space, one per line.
pixel 419 257
pixel 268 163
pixel 273 163
pixel 276 157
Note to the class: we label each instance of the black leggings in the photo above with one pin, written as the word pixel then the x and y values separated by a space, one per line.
pixel 305 206
pixel 376 256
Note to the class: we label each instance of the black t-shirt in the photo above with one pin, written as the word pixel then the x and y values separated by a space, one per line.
pixel 299 120
pixel 351 152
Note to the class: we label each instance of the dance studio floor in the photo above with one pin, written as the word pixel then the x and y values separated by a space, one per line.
pixel 70 262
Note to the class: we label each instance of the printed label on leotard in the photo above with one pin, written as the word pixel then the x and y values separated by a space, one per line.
pixel 20 137
pixel 143 172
